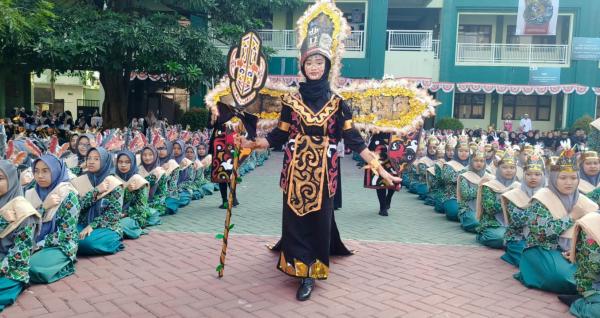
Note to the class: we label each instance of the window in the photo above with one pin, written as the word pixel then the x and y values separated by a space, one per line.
pixel 512 38
pixel 478 34
pixel 536 106
pixel 469 106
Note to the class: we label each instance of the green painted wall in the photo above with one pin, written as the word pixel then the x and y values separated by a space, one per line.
pixel 581 72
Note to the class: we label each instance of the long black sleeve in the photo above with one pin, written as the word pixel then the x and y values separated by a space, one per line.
pixel 280 135
pixel 352 138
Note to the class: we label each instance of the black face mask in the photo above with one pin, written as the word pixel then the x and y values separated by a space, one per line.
pixel 315 93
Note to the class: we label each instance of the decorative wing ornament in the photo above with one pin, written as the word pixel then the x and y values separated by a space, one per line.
pixel 392 105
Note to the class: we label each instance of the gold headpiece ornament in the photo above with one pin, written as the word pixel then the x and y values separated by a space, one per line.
pixel 567 161
pixel 433 140
pixel 463 141
pixel 473 146
pixel 507 156
pixel 535 160
pixel 451 142
pixel 422 142
pixel 587 154
pixel 528 149
pixel 322 30
pixel 480 151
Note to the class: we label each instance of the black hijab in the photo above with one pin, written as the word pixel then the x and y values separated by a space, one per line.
pixel 315 93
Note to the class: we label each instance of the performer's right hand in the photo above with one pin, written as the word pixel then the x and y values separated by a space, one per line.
pixel 242 142
pixel 239 141
pixel 387 177
pixel 214 115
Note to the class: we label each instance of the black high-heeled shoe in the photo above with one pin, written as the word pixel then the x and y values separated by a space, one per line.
pixel 305 289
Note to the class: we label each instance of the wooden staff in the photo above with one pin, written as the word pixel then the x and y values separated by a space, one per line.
pixel 232 187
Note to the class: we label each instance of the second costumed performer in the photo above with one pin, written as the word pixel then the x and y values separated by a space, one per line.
pixel 311 123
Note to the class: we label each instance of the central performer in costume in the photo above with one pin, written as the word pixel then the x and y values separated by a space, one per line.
pixel 311 123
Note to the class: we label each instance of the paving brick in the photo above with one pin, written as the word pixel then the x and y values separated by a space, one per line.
pixel 412 264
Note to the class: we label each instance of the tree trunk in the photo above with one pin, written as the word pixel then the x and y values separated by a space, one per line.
pixel 116 98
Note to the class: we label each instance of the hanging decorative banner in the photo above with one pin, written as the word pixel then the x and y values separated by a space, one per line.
pixel 596 90
pixel 447 87
pixel 537 17
pixel 568 89
pixel 501 89
pixel 527 90
pixel 463 87
pixel 555 89
pixel 142 76
pixel 488 88
pixel 514 89
pixel 581 90
pixel 541 90
pixel 436 86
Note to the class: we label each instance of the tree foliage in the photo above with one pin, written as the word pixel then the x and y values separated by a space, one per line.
pixel 22 22
pixel 117 37
pixel 449 123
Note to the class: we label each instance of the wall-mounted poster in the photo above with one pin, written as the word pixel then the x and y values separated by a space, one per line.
pixel 537 17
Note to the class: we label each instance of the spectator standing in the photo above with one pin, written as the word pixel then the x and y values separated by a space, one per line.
pixel 508 124
pixel 525 124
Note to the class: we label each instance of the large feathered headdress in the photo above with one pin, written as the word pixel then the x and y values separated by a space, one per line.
pixel 322 30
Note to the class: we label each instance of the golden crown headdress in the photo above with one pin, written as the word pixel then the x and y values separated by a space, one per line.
pixel 463 141
pixel 587 154
pixel 322 29
pixel 535 160
pixel 528 148
pixel 433 139
pixel 567 160
pixel 507 156
pixel 480 151
pixel 451 142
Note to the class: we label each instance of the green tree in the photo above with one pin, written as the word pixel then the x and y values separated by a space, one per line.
pixel 117 37
pixel 20 21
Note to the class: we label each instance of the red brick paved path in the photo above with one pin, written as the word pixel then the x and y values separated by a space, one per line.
pixel 172 275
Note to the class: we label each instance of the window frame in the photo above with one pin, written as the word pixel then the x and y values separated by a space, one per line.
pixel 479 28
pixel 511 33
pixel 514 105
pixel 469 98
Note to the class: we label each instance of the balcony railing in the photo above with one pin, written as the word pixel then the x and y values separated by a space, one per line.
pixel 355 42
pixel 410 40
pixel 278 39
pixel 88 103
pixel 285 40
pixel 511 54
pixel 436 49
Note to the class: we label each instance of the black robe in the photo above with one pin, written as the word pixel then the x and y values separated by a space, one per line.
pixel 309 180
